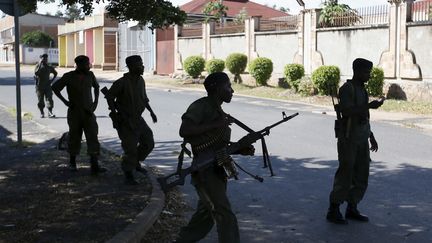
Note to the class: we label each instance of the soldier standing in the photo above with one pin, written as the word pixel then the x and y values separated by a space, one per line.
pixel 81 107
pixel 127 100
pixel 206 126
pixel 351 179
pixel 43 85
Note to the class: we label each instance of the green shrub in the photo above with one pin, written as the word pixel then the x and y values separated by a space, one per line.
pixel 293 73
pixel 215 65
pixel 236 64
pixel 306 87
pixel 326 79
pixel 261 69
pixel 376 82
pixel 37 39
pixel 194 65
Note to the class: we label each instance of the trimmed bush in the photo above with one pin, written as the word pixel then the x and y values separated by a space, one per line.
pixel 306 87
pixel 215 65
pixel 293 73
pixel 194 65
pixel 376 82
pixel 261 69
pixel 236 64
pixel 326 79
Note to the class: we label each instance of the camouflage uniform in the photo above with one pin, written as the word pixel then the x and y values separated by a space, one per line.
pixel 80 114
pixel 43 85
pixel 351 179
pixel 210 184
pixel 136 136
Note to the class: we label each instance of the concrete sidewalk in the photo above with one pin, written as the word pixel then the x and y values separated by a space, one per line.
pixel 37 133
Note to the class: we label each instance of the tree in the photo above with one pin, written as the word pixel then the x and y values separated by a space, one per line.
pixel 216 9
pixel 283 9
pixel 37 39
pixel 241 16
pixel 158 13
pixel 59 13
pixel 73 12
pixel 335 14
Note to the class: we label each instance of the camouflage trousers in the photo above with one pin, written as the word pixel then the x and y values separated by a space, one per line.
pixel 44 94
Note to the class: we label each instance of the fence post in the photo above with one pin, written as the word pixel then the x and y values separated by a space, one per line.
pixel 388 58
pixel 299 56
pixel 250 27
pixel 177 55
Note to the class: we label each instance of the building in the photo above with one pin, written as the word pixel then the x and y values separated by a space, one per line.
pixel 27 23
pixel 94 36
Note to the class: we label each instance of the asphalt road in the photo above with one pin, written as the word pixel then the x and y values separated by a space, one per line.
pixel 291 206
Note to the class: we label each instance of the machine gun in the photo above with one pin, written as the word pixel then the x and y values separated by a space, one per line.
pixel 205 159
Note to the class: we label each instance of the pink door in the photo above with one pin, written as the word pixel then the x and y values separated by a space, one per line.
pixel 89 44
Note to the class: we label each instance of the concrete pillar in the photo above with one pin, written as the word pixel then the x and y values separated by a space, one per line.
pixel 250 27
pixel 178 62
pixel 312 58
pixel 298 57
pixel 407 66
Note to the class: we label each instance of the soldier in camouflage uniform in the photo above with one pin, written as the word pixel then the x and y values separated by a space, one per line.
pixel 351 179
pixel 127 100
pixel 43 85
pixel 80 114
pixel 204 121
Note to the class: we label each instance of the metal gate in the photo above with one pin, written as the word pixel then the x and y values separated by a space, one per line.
pixel 165 51
pixel 136 41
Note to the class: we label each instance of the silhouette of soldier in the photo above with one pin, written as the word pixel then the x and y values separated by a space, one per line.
pixel 351 178
pixel 127 100
pixel 80 114
pixel 43 85
pixel 206 127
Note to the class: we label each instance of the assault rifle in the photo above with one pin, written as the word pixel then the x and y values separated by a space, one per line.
pixel 205 159
pixel 113 113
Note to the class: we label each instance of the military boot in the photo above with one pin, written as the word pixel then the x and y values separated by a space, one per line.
pixel 95 169
pixel 141 169
pixel 42 113
pixel 129 178
pixel 334 215
pixel 72 163
pixel 353 213
pixel 50 113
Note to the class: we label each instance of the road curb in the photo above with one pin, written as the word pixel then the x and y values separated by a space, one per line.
pixel 136 230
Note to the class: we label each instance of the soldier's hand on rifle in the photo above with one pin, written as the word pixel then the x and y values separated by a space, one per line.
pixel 153 116
pixel 374 144
pixel 249 139
pixel 249 150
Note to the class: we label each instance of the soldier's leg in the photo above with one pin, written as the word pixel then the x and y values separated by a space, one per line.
pixel 226 221
pixel 344 174
pixel 342 180
pixel 49 101
pixel 91 130
pixel 129 141
pixel 41 103
pixel 75 135
pixel 361 174
pixel 145 142
pixel 199 225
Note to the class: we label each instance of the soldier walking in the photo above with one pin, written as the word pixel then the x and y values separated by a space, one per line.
pixel 127 100
pixel 80 114
pixel 351 178
pixel 206 127
pixel 43 85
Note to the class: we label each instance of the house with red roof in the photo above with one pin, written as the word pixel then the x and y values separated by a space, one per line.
pixel 194 9
pixel 234 7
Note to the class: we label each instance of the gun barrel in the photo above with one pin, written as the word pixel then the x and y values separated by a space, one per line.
pixel 285 119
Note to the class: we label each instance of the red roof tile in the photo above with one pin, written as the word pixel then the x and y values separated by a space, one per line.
pixel 234 7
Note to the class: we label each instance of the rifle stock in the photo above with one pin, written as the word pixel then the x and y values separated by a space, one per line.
pixel 205 159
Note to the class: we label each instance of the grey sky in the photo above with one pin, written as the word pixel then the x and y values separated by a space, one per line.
pixel 291 4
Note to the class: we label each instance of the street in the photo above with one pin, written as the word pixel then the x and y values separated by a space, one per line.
pixel 291 206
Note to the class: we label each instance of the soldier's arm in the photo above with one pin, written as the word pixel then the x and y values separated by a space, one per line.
pixel 54 72
pixel 112 95
pixel 95 85
pixel 57 87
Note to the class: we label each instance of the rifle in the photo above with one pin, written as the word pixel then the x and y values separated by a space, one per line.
pixel 113 113
pixel 202 161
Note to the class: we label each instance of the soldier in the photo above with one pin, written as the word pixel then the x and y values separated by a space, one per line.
pixel 127 100
pixel 43 85
pixel 81 107
pixel 206 126
pixel 351 179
